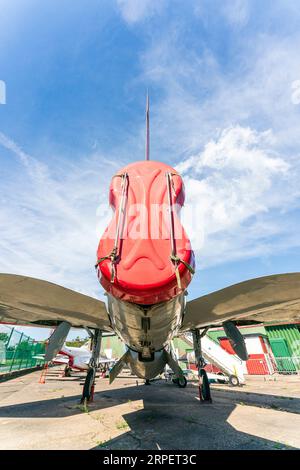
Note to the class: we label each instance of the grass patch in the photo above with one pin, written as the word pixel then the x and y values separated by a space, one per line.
pixel 98 417
pixel 279 445
pixel 122 425
pixel 274 407
pixel 101 443
pixel 82 407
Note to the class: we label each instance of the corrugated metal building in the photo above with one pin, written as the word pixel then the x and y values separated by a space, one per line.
pixel 217 333
pixel 289 333
pixel 112 346
pixel 284 340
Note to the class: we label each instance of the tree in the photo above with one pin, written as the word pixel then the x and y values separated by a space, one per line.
pixel 4 337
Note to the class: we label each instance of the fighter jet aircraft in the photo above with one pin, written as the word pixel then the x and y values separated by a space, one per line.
pixel 145 263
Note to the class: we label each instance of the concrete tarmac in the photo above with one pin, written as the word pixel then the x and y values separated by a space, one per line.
pixel 130 415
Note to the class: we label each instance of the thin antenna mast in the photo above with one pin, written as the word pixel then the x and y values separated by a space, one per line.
pixel 147 150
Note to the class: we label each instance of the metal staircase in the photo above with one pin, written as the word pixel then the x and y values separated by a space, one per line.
pixel 229 364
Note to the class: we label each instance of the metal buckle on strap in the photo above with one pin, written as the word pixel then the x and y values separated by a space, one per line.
pixel 113 256
pixel 174 257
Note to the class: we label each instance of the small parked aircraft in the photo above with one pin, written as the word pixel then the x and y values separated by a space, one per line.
pixel 145 263
pixel 78 358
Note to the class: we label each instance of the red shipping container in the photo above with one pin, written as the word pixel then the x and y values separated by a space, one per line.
pixel 225 344
pixel 257 365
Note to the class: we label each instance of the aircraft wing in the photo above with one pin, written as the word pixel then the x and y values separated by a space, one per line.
pixel 25 300
pixel 264 299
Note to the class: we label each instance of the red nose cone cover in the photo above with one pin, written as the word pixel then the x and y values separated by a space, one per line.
pixel 144 272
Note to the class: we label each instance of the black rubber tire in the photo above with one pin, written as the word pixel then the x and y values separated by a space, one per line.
pixel 234 381
pixel 221 380
pixel 68 372
pixel 87 388
pixel 181 382
pixel 205 388
pixel 175 381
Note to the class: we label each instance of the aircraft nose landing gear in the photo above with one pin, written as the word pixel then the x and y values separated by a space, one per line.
pixel 89 384
pixel 204 388
pixel 180 381
pixel 67 371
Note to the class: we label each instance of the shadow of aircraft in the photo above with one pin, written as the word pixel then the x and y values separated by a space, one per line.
pixel 170 418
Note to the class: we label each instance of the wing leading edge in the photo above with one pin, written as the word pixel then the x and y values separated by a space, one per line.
pixel 26 300
pixel 264 299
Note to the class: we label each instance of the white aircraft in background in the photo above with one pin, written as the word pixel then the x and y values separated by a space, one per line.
pixel 78 358
pixel 145 277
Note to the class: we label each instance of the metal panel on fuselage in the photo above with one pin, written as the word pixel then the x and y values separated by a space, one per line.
pixel 147 370
pixel 153 325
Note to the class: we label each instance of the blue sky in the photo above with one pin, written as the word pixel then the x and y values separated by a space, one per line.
pixel 224 82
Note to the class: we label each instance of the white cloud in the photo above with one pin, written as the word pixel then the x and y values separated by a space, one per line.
pixel 210 117
pixel 235 186
pixel 50 218
pixel 199 97
pixel 213 121
pixel 236 11
pixel 134 11
pixel 295 97
pixel 2 92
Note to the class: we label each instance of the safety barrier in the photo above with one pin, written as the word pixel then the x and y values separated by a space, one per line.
pixel 287 365
pixel 18 351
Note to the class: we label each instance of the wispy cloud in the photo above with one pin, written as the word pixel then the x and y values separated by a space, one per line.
pixel 241 191
pixel 295 96
pixel 235 131
pixel 236 11
pixel 2 92
pixel 134 11
pixel 50 219
pixel 199 97
pixel 224 109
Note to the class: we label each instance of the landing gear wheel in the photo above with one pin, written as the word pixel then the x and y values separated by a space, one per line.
pixel 147 382
pixel 181 382
pixel 234 381
pixel 88 385
pixel 222 378
pixel 205 388
pixel 67 371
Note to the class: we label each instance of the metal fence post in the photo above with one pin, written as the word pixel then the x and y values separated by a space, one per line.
pixel 12 330
pixel 15 352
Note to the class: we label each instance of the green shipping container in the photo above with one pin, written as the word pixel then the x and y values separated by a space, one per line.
pixel 115 344
pixel 285 342
pixel 290 333
pixel 282 355
pixel 215 334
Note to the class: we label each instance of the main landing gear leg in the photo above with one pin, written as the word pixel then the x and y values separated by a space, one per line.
pixel 204 388
pixel 67 371
pixel 89 385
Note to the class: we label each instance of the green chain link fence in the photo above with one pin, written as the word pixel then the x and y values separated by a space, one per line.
pixel 18 351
